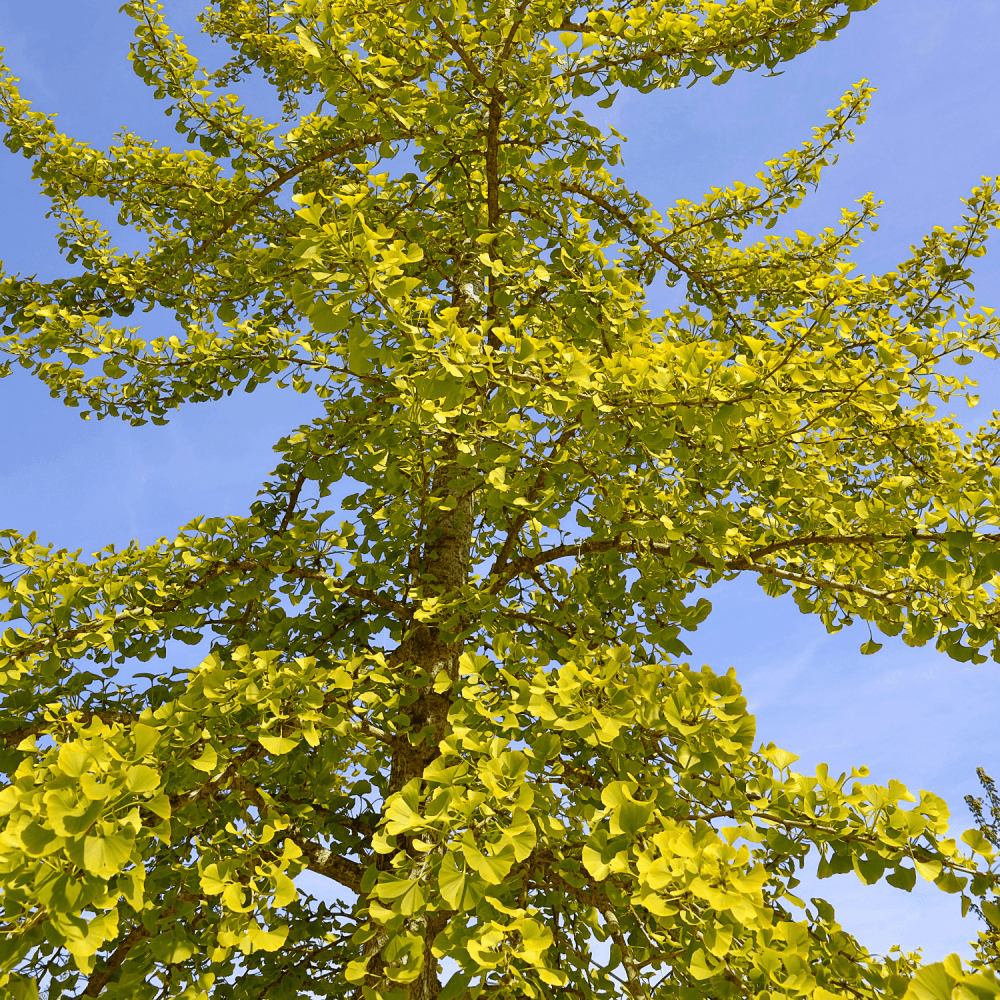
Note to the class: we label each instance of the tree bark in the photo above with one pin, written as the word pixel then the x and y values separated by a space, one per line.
pixel 446 561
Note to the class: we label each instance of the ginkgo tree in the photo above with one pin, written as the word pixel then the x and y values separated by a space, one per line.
pixel 441 663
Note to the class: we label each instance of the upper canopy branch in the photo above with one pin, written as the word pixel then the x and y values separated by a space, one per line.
pixel 501 575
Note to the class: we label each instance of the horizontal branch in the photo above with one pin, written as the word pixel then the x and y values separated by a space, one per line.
pixel 817 581
pixel 324 862
pixel 750 562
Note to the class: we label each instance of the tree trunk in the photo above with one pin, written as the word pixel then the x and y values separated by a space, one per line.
pixel 446 558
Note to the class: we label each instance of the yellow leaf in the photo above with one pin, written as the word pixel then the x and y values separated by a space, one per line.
pixel 699 966
pixel 277 744
pixel 233 898
pixel 285 891
pixel 142 778
pixel 978 843
pixel 106 856
pixel 208 759
pixel 211 881
pixel 93 788
pixel 159 805
pixel 73 761
pixel 718 939
pixel 658 874
pixel 496 479
pixel 927 869
pixel 258 939
pixel 778 757
pixel 356 970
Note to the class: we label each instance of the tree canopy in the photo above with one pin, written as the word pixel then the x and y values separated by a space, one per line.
pixel 441 663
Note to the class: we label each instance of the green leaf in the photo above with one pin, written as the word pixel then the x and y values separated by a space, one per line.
pixel 133 887
pixel 326 319
pixel 869 867
pixel 172 948
pixel 460 890
pixel 455 986
pixel 902 878
pixel 718 940
pixel 475 557
pixel 69 817
pixel 406 896
pixel 404 955
pixel 22 987
pixel 520 836
pixel 38 840
pixel 494 867
pixel 159 805
pixel 948 881
pixel 402 286
pixel 631 817
pixel 544 747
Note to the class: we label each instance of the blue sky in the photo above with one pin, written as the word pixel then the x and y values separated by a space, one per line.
pixel 932 132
